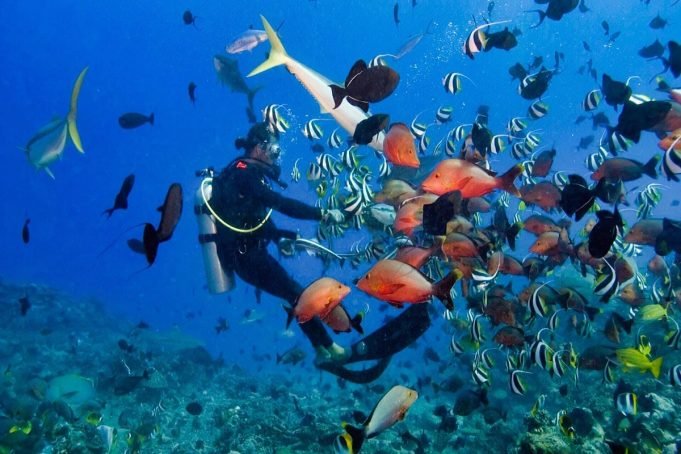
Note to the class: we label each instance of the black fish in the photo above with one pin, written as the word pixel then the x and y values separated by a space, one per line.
pixel 469 400
pixel 191 89
pixel 125 346
pixel 517 71
pixel 150 243
pixel 368 128
pixel 584 142
pixel 556 9
pixel 171 210
pixel 24 305
pixel 674 60
pixel 583 8
pixel 396 14
pixel 436 215
pixel 577 198
pixel 606 27
pixel 614 92
pixel 194 408
pixel 121 202
pixel 123 384
pixel 221 326
pixel 188 18
pixel 638 117
pixel 657 22
pixel 599 120
pixel 364 85
pixel 536 62
pixel 603 234
pixel 613 37
pixel 136 245
pixel 670 238
pixel 317 148
pixel 501 40
pixel 134 120
pixel 586 46
pixel 653 50
pixel 501 225
pixel 25 233
pixel 534 86
pixel 481 137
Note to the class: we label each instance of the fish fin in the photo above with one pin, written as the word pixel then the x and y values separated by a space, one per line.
pixel 357 437
pixel 151 242
pixel 655 367
pixel 108 212
pixel 151 119
pixel 357 103
pixel 542 16
pixel 277 55
pixel 506 180
pixel 442 289
pixel 338 94
pixel 359 67
pixel 289 315
pixel 650 166
pixel 73 110
pixel 356 322
pixel 49 172
pixel 512 233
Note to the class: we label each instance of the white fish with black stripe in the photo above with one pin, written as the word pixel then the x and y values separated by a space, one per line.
pixel 452 82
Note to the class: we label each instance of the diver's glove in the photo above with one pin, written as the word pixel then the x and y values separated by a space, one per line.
pixel 334 216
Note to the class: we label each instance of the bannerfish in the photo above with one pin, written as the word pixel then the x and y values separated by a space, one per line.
pixel 47 145
pixel 365 85
pixel 121 201
pixel 132 120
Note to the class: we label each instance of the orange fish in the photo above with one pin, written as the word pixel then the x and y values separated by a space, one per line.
pixel 458 245
pixel 410 215
pixel 414 256
pixel 395 192
pixel 667 142
pixel 318 300
pixel 398 283
pixel 399 147
pixel 472 180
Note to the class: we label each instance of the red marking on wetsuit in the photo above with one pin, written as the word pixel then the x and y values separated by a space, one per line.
pixel 241 165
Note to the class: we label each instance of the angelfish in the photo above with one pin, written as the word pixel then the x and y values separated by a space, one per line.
pixel 391 409
pixel 47 145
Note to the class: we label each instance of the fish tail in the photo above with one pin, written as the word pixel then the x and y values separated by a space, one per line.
pixel 649 167
pixel 151 119
pixel 357 437
pixel 73 110
pixel 277 56
pixel 289 315
pixel 655 367
pixel 506 180
pixel 442 289
pixel 108 212
pixel 338 93
pixel 512 233
pixel 542 16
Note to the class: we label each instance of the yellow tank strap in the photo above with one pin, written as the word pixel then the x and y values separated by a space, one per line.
pixel 229 226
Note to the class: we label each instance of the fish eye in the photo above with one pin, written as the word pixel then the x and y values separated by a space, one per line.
pixel 437 175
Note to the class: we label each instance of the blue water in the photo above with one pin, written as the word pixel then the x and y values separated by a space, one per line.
pixel 141 58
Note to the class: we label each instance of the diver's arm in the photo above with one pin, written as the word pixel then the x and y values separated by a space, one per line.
pixel 289 207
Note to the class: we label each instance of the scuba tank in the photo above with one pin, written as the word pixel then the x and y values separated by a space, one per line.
pixel 218 279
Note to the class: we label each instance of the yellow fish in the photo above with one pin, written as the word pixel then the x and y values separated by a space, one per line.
pixel 632 358
pixel 47 145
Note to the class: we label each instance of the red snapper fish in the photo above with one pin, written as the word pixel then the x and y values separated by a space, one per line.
pixel 398 283
pixel 318 300
pixel 399 147
pixel 472 180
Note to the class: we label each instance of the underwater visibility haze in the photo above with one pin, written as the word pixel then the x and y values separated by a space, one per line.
pixel 462 216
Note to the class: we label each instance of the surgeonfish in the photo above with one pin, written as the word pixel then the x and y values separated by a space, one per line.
pixel 391 409
pixel 47 145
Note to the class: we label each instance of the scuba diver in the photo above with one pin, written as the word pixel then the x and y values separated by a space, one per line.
pixel 235 239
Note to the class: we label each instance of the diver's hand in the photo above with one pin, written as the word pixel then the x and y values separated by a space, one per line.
pixel 334 216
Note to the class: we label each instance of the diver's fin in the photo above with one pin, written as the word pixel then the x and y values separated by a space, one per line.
pixel 394 336
pixel 277 56
pixel 366 375
pixel 73 111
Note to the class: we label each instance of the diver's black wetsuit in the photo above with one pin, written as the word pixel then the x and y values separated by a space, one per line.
pixel 242 196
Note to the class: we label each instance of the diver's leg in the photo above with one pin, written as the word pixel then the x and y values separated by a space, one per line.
pixel 261 270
